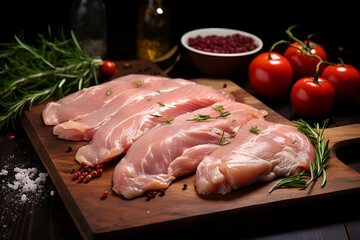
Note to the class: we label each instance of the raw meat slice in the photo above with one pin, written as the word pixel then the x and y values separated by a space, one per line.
pixel 170 151
pixel 84 128
pixel 117 134
pixel 276 150
pixel 83 102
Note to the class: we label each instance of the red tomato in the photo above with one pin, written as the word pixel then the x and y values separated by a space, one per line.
pixel 302 65
pixel 346 81
pixel 270 78
pixel 311 99
pixel 107 68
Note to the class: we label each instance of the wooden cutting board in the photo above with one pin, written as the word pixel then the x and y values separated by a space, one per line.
pixel 115 216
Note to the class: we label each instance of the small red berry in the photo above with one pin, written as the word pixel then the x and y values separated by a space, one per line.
pixel 12 137
pixel 85 174
pixel 86 168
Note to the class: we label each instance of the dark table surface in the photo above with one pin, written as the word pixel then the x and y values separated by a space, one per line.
pixel 44 216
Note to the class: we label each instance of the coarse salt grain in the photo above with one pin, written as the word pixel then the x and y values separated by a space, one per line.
pixel 23 197
pixel 3 172
pixel 24 180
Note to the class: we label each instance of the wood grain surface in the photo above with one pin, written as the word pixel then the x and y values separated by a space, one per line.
pixel 115 216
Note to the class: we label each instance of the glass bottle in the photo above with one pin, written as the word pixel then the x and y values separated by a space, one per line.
pixel 152 30
pixel 88 21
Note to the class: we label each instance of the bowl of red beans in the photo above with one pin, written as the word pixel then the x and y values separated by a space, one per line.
pixel 221 52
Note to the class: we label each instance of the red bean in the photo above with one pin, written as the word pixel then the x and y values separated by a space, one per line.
pixel 235 43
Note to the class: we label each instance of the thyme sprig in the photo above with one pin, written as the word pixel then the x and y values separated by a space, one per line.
pixel 31 74
pixel 317 168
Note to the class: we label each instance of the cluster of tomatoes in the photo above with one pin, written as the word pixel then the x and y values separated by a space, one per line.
pixel 315 83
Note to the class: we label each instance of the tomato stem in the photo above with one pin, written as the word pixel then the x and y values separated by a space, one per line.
pixel 275 44
pixel 341 61
pixel 291 35
pixel 308 42
pixel 316 75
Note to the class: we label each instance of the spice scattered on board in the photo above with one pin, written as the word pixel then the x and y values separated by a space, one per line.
pixel 86 173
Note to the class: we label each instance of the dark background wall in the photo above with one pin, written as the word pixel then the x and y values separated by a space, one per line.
pixel 337 24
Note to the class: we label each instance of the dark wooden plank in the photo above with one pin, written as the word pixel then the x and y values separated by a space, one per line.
pixel 353 229
pixel 331 231
pixel 115 216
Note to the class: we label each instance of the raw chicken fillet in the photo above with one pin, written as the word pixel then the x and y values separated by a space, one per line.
pixel 173 150
pixel 126 126
pixel 276 150
pixel 85 127
pixel 81 103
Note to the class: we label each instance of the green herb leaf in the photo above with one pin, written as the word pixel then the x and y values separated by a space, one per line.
pixel 199 117
pixel 161 103
pixel 222 140
pixel 167 121
pixel 219 109
pixel 202 117
pixel 108 91
pixel 138 84
pixel 254 129
pixel 155 115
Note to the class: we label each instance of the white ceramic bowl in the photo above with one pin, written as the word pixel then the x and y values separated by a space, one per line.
pixel 220 64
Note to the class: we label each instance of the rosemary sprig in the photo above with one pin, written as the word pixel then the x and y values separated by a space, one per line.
pixel 32 74
pixel 317 168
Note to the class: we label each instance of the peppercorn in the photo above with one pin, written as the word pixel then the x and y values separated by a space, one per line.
pixel 153 194
pixel 69 149
pixel 80 179
pixel 12 137
pixel 127 65
pixel 149 197
pixel 96 166
pixel 94 174
pixel 104 194
pixel 76 175
pixel 100 172
pixel 184 186
pixel 82 164
pixel 88 178
pixel 162 193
